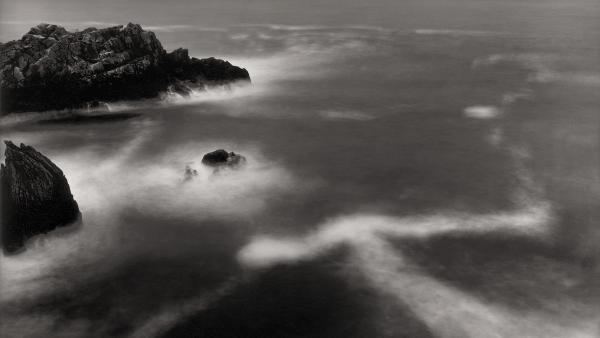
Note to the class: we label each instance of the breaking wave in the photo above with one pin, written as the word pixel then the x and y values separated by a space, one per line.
pixel 210 93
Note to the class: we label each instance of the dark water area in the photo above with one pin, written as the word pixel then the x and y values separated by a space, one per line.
pixel 407 175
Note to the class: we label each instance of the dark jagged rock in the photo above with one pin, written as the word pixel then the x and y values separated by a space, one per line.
pixel 221 157
pixel 51 68
pixel 36 197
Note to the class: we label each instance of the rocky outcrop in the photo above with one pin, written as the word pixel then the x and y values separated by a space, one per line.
pixel 51 68
pixel 221 158
pixel 36 197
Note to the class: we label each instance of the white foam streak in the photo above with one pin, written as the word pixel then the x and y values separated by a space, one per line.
pixel 449 312
pixel 264 250
pixel 267 74
pixel 211 94
pixel 482 112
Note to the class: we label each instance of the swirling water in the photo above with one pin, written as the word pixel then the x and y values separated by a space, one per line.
pixel 417 182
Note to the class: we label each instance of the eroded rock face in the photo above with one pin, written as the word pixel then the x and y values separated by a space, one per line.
pixel 36 197
pixel 221 158
pixel 51 68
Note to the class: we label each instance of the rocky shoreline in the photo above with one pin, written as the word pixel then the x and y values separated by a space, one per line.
pixel 50 68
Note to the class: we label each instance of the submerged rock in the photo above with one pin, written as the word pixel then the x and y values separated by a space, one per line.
pixel 189 173
pixel 221 157
pixel 36 197
pixel 51 68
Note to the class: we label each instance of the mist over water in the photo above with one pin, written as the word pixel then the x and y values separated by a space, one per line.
pixel 407 175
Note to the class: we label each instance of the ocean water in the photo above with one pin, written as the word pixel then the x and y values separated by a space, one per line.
pixel 422 169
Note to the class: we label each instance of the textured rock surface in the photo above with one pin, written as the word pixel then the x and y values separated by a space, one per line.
pixel 222 157
pixel 51 68
pixel 36 197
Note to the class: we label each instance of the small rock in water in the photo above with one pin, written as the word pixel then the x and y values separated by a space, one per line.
pixel 221 157
pixel 189 173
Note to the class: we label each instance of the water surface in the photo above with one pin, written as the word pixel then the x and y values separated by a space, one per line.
pixel 413 170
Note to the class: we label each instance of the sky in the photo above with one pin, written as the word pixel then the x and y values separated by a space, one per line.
pixel 530 16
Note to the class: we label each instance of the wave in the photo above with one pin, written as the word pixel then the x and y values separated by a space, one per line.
pixel 212 93
pixel 264 251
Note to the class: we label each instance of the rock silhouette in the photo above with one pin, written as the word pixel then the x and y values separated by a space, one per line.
pixel 221 157
pixel 51 68
pixel 36 197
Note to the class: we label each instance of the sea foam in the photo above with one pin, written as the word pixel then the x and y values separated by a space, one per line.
pixel 482 112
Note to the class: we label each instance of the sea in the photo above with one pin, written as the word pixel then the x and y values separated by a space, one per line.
pixel 413 169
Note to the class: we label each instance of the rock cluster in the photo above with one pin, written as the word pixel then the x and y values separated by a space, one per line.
pixel 51 68
pixel 36 197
